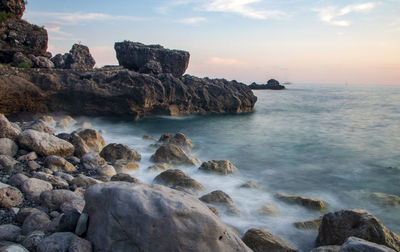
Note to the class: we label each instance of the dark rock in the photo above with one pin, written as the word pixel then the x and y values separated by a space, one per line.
pixel 262 241
pixel 78 58
pixel 308 202
pixel 17 179
pixel 115 152
pixel 20 58
pixel 57 242
pixel 13 247
pixel 125 178
pixel 32 240
pixel 309 225
pixel 178 179
pixel 36 221
pixel 9 232
pixel 272 84
pixel 15 7
pixel 223 167
pixel 41 62
pixel 131 217
pixel 250 185
pixel 80 245
pixel 38 125
pixel 172 154
pixel 331 248
pixel 54 199
pixel 336 227
pixel 25 212
pixel 354 244
pixel 223 200
pixel 152 59
pixel 81 225
pixel 179 139
pixel 8 163
pixel 68 221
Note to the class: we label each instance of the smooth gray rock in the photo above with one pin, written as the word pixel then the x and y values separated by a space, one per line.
pixel 81 225
pixel 138 217
pixel 9 232
pixel 17 179
pixel 80 245
pixel 54 199
pixel 13 248
pixel 33 239
pixel 33 187
pixel 354 244
pixel 8 147
pixel 25 212
pixel 57 242
pixel 34 222
pixel 68 221
pixel 329 248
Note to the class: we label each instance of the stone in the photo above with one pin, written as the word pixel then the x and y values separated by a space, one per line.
pixel 45 144
pixel 331 248
pixel 160 167
pixel 268 209
pixel 20 58
pixel 55 181
pixel 130 217
pixel 6 128
pixel 106 170
pixel 250 185
pixel 385 199
pixel 10 196
pixel 125 178
pixel 179 139
pixel 271 84
pixel 178 179
pixel 79 58
pixel 336 227
pixel 56 163
pixel 15 7
pixel 68 221
pixel 8 147
pixel 75 205
pixel 33 239
pixel 223 200
pixel 92 160
pixel 33 187
pixel 57 242
pixel 80 245
pixel 41 62
pixel 354 244
pixel 153 59
pixel 81 225
pixel 35 222
pixel 308 225
pixel 56 198
pixel 13 248
pixel 65 176
pixel 38 125
pixel 33 165
pixel 307 202
pixel 222 167
pixel 87 140
pixel 9 232
pixel 115 152
pixel 17 179
pixel 262 241
pixel 174 155
pixel 125 166
pixel 8 163
pixel 28 157
pixel 25 212
pixel 84 181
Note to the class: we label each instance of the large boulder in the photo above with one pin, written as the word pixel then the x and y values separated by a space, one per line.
pixel 15 7
pixel 57 242
pixel 223 167
pixel 36 221
pixel 38 125
pixel 56 198
pixel 45 144
pixel 153 59
pixel 7 130
pixel 262 241
pixel 221 199
pixel 56 163
pixel 179 180
pixel 87 140
pixel 8 147
pixel 119 152
pixel 138 217
pixel 307 202
pixel 10 196
pixel 172 154
pixel 336 227
pixel 8 163
pixel 79 58
pixel 178 139
pixel 354 244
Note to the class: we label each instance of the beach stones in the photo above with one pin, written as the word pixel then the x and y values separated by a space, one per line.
pixel 56 242
pixel 130 217
pixel 336 227
pixel 54 199
pixel 308 225
pixel 33 187
pixel 262 241
pixel 222 167
pixel 8 147
pixel 87 140
pixel 357 244
pixel 223 200
pixel 160 167
pixel 119 152
pixel 10 196
pixel 45 144
pixel 174 155
pixel 9 232
pixel 179 180
pixel 125 178
pixel 7 130
pixel 92 161
pixel 56 163
pixel 307 202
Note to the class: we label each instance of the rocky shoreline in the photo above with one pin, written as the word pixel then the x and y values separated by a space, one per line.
pixel 73 192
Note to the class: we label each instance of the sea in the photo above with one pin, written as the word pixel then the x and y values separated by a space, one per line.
pixel 337 143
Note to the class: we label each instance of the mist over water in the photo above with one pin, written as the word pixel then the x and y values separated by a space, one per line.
pixel 336 143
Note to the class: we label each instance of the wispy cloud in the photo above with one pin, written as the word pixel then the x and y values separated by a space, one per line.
pixel 191 20
pixel 55 28
pixel 334 16
pixel 224 61
pixel 241 7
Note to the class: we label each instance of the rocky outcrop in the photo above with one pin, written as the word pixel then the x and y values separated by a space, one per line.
pixel 262 241
pixel 153 59
pixel 78 58
pixel 137 217
pixel 179 139
pixel 336 227
pixel 271 84
pixel 222 167
pixel 15 7
pixel 308 202
pixel 221 199
pixel 177 179
pixel 119 152
pixel 357 244
pixel 172 154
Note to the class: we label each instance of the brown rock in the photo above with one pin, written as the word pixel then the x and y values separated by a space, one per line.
pixel 223 167
pixel 160 167
pixel 56 163
pixel 178 179
pixel 223 200
pixel 308 202
pixel 262 241
pixel 125 178
pixel 16 7
pixel 119 152
pixel 309 225
pixel 180 140
pixel 6 128
pixel 10 196
pixel 172 154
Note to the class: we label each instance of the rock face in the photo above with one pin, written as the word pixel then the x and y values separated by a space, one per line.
pixel 137 217
pixel 153 59
pixel 172 154
pixel 78 58
pixel 223 167
pixel 177 179
pixel 45 144
pixel 262 241
pixel 336 227
pixel 272 84
pixel 16 7
pixel 357 244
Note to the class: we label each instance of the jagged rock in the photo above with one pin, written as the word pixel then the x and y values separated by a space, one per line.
pixel 357 244
pixel 87 140
pixel 179 139
pixel 10 196
pixel 262 241
pixel 8 147
pixel 178 179
pixel 7 130
pixel 58 60
pixel 32 240
pixel 80 245
pixel 35 221
pixel 15 7
pixel 57 242
pixel 331 248
pixel 268 209
pixel 33 187
pixel 56 163
pixel 7 162
pixel 55 198
pixel 115 152
pixel 384 199
pixel 161 210
pixel 223 200
pixel 19 58
pixel 172 154
pixel 45 144
pixel 309 225
pixel 41 62
pixel 308 202
pixel 125 178
pixel 336 227
pixel 38 125
pixel 152 59
pixel 17 179
pixel 160 167
pixel 79 58
pixel 223 167
pixel 9 232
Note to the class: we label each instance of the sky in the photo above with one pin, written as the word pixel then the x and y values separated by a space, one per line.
pixel 300 41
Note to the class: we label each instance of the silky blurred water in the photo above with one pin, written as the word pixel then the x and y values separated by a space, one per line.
pixel 337 143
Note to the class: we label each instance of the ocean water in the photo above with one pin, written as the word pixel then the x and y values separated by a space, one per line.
pixel 337 143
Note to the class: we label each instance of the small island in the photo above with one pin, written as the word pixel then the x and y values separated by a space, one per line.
pixel 271 84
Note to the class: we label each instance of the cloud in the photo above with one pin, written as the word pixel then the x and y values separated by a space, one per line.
pixel 55 28
pixel 241 7
pixel 333 16
pixel 104 55
pixel 224 61
pixel 192 20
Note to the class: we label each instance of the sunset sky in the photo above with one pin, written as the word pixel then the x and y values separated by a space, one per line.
pixel 326 41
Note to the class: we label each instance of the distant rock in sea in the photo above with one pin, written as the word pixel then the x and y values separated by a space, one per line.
pixel 271 84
